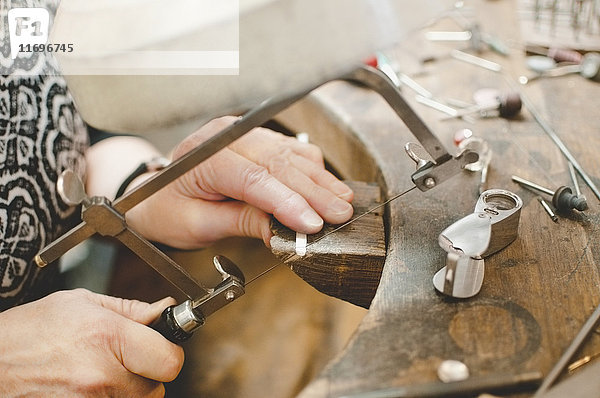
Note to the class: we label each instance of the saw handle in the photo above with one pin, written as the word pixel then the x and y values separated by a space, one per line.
pixel 178 322
pixel 166 325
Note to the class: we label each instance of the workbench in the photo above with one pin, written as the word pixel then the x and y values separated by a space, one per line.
pixel 538 292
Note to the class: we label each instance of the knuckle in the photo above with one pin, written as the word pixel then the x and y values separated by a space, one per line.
pixel 254 175
pixel 201 135
pixel 315 152
pixel 244 221
pixel 280 163
pixel 315 192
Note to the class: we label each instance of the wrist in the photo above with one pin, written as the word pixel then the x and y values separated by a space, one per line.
pixel 144 171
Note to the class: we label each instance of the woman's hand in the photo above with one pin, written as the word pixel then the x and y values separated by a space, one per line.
pixel 233 192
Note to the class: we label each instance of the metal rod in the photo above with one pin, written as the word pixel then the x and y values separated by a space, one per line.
pixel 532 185
pixel 587 328
pixel 464 388
pixel 471 59
pixel 546 207
pixel 557 141
pixel 436 105
pixel 574 179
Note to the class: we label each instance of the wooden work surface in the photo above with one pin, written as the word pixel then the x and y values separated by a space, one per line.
pixel 537 293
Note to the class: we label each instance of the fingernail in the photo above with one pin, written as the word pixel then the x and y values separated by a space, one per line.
pixel 339 206
pixel 311 219
pixel 342 190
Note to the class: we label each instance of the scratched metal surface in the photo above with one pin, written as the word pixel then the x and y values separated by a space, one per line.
pixel 537 292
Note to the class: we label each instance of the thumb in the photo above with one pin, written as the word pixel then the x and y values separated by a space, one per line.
pixel 211 221
pixel 135 310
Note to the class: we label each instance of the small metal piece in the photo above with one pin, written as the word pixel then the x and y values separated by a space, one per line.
pixel 71 189
pixel 229 295
pixel 466 388
pixel 452 370
pixel 448 35
pixel 473 60
pixel 385 66
pixel 582 361
pixel 540 63
pixel 557 141
pixel 590 66
pixel 562 199
pixel 508 105
pixel 546 207
pixel 186 318
pixel 481 147
pixel 436 105
pixel 416 87
pixel 533 185
pixel 574 179
pixel 415 151
pixel 430 182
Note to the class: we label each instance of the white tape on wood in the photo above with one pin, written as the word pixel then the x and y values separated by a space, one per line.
pixel 300 244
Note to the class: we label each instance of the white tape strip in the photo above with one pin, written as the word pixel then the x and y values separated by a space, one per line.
pixel 300 244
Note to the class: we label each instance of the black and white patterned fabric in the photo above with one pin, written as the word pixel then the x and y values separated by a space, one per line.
pixel 41 134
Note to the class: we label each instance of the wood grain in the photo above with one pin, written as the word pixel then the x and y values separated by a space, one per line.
pixel 537 292
pixel 348 263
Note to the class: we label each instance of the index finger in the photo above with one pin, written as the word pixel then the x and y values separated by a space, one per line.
pixel 235 176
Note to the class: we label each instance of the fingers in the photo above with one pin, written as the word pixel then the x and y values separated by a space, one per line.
pixel 333 209
pixel 248 182
pixel 137 311
pixel 145 352
pixel 323 178
pixel 217 220
pixel 140 349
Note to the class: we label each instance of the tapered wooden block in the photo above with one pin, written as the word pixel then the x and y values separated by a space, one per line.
pixel 346 264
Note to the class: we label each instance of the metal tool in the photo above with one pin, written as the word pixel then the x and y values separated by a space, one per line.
pixel 589 67
pixel 556 53
pixel 492 227
pixel 582 361
pixel 438 105
pixel 476 38
pixel 177 322
pixel 588 327
pixel 547 208
pixel 562 199
pixel 556 139
pixel 506 104
pixel 464 139
pixel 102 216
pixel 478 61
pixel 574 179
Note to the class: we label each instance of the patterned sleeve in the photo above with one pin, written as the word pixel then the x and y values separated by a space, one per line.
pixel 41 134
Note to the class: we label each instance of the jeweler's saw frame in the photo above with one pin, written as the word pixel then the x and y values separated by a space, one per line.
pixel 177 323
